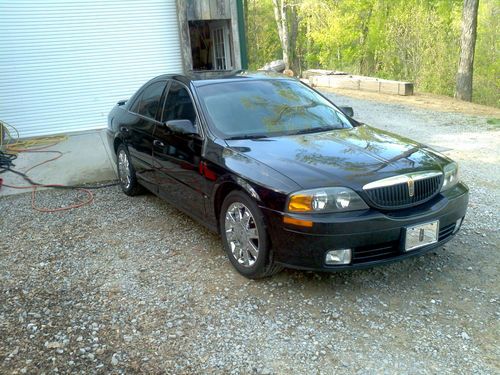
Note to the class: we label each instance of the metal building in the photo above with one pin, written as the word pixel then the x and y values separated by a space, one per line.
pixel 65 63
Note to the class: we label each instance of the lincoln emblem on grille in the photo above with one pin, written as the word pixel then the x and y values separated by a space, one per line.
pixel 411 187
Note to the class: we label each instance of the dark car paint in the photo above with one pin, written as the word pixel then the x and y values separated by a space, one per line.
pixel 191 171
pixel 344 157
pixel 137 133
pixel 177 158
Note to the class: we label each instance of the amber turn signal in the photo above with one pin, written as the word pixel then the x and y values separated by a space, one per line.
pixel 298 222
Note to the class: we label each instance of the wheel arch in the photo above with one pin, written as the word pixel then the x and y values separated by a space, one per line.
pixel 227 187
pixel 221 193
pixel 116 143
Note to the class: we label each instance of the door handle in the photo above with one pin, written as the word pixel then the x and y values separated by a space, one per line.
pixel 158 143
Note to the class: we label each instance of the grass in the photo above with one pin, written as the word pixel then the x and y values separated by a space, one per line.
pixel 493 121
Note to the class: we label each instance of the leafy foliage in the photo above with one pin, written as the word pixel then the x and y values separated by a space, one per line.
pixel 262 35
pixel 414 40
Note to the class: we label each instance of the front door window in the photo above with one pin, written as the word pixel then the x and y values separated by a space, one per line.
pixel 178 105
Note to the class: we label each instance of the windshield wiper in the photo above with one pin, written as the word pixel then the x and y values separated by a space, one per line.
pixel 314 130
pixel 248 136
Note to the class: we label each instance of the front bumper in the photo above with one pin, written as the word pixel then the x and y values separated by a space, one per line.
pixel 375 237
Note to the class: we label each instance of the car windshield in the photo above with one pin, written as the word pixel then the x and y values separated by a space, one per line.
pixel 264 108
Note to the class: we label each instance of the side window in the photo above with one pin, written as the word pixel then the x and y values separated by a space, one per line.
pixel 135 104
pixel 178 105
pixel 149 102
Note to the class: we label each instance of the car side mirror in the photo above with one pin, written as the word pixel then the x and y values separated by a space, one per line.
pixel 182 127
pixel 347 111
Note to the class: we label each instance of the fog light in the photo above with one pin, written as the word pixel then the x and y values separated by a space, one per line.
pixel 338 257
pixel 458 224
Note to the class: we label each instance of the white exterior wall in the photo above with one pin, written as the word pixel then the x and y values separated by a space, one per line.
pixel 65 63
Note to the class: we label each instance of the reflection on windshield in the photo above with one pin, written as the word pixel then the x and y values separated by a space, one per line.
pixel 260 108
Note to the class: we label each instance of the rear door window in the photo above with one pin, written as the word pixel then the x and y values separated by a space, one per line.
pixel 148 102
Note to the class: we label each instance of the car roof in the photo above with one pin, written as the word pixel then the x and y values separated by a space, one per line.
pixel 202 78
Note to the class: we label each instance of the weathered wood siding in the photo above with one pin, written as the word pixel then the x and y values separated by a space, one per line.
pixel 197 10
pixel 187 59
pixel 208 9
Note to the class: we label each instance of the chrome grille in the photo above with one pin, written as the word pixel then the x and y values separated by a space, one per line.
pixel 405 190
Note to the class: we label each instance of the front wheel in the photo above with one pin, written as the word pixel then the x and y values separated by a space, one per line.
pixel 245 237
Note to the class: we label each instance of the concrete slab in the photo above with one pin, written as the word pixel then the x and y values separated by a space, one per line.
pixel 86 159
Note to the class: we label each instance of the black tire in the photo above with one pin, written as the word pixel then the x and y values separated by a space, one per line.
pixel 258 266
pixel 129 185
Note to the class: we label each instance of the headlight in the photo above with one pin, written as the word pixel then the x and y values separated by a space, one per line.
pixel 450 176
pixel 332 199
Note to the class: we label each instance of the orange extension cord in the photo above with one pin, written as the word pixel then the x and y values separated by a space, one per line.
pixel 14 149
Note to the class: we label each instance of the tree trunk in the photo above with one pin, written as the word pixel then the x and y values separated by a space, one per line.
pixel 294 29
pixel 245 15
pixel 282 22
pixel 467 46
pixel 362 42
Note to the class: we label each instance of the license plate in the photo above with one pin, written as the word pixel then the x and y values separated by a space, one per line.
pixel 421 235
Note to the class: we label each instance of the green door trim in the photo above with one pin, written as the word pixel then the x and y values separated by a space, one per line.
pixel 241 32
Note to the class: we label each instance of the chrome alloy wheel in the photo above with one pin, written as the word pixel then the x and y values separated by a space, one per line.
pixel 124 169
pixel 242 234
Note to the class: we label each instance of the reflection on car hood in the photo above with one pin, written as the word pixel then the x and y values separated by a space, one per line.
pixel 346 157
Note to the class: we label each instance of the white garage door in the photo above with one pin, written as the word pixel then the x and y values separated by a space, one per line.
pixel 64 64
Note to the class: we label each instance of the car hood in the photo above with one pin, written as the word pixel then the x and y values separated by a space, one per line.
pixel 345 157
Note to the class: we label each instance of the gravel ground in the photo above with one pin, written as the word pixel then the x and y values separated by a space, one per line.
pixel 133 285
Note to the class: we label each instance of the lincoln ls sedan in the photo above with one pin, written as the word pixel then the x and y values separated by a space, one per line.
pixel 285 176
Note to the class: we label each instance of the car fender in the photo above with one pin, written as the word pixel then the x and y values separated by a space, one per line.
pixel 241 183
pixel 268 187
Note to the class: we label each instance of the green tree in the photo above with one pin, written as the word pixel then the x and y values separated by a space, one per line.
pixel 414 40
pixel 263 41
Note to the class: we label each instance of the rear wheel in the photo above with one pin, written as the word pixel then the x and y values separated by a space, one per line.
pixel 126 172
pixel 245 237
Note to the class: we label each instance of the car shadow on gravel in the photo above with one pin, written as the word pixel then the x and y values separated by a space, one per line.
pixel 408 273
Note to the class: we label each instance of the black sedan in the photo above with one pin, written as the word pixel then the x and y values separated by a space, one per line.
pixel 284 175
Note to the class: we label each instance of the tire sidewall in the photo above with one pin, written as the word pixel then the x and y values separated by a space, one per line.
pixel 263 257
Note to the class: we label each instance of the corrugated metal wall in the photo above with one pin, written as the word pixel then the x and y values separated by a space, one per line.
pixel 64 64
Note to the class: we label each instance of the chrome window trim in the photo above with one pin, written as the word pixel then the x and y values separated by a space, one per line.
pixel 401 179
